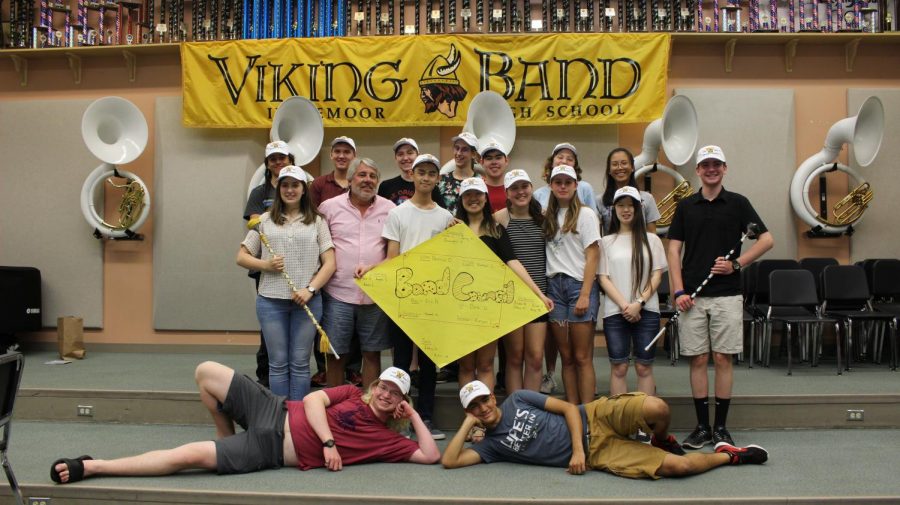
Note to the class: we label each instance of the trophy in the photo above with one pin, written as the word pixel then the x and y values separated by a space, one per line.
pixel 515 20
pixel 869 19
pixel 451 16
pixel 479 15
pixel 731 16
pixel 684 15
pixel 763 16
pixel 466 15
pixel 435 17
pixel 498 18
pixel 585 16
pixel 608 18
pixel 662 15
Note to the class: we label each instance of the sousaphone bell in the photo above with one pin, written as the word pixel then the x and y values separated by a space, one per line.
pixel 490 119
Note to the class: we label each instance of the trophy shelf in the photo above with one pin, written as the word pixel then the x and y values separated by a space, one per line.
pixel 789 41
pixel 729 42
pixel 74 55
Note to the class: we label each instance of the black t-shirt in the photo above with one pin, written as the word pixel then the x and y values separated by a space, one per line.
pixel 260 199
pixel 399 190
pixel 709 229
pixel 501 246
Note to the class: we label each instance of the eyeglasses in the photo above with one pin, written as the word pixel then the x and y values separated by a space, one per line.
pixel 620 163
pixel 382 388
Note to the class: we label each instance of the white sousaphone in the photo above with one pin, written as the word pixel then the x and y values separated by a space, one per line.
pixel 865 131
pixel 489 118
pixel 299 123
pixel 115 131
pixel 677 133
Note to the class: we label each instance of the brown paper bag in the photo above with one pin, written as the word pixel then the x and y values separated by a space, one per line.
pixel 70 331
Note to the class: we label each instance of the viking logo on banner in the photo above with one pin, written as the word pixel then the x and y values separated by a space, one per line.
pixel 428 81
pixel 451 295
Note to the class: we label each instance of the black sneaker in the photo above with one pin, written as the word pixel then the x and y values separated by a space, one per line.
pixel 698 438
pixel 642 437
pixel 752 454
pixel 669 445
pixel 444 376
pixel 720 434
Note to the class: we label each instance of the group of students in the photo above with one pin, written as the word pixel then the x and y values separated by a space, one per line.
pixel 562 248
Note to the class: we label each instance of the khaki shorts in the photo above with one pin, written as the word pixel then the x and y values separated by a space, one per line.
pixel 611 421
pixel 716 323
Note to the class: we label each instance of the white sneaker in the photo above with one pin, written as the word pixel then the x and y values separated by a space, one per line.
pixel 548 385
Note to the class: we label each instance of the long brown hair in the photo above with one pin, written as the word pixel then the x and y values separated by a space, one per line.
pixel 639 244
pixel 570 224
pixel 307 210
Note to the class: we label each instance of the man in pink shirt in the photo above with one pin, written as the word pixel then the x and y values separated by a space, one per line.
pixel 356 220
pixel 330 428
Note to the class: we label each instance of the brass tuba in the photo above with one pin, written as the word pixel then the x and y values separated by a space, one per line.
pixel 490 119
pixel 677 133
pixel 115 131
pixel 865 131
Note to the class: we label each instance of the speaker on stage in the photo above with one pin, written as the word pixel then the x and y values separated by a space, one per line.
pixel 20 299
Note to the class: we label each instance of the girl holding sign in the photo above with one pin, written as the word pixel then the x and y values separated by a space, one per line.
pixel 475 211
pixel 522 219
pixel 572 232
pixel 631 269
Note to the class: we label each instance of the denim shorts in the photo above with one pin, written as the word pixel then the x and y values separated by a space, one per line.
pixel 262 416
pixel 623 337
pixel 341 320
pixel 564 291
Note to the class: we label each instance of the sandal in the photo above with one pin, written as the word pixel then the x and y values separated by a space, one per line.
pixel 75 467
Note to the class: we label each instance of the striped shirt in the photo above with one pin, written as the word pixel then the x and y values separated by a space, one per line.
pixel 530 248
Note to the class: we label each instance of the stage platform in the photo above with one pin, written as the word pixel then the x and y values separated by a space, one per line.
pixel 147 400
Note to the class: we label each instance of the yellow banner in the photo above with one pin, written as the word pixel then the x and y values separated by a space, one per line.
pixel 451 295
pixel 550 79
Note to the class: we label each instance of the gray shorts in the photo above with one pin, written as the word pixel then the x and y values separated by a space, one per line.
pixel 262 415
pixel 714 323
pixel 340 320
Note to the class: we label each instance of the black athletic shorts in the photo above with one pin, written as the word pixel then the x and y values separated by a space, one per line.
pixel 262 415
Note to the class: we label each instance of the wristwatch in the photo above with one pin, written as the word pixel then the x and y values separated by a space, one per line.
pixel 328 443
pixel 641 301
pixel 736 265
pixel 311 289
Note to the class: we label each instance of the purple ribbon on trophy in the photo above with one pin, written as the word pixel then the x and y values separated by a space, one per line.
pixel 791 25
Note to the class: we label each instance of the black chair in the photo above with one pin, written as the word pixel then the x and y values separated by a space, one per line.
pixel 759 304
pixel 816 266
pixel 11 366
pixel 793 301
pixel 886 297
pixel 748 284
pixel 667 311
pixel 847 299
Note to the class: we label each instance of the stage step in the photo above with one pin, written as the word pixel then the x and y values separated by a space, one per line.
pixel 805 466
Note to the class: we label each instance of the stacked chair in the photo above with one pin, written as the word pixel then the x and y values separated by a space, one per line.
pixel 847 298
pixel 886 298
pixel 759 303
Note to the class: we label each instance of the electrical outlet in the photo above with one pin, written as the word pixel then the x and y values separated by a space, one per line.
pixel 855 414
pixel 38 501
pixel 86 410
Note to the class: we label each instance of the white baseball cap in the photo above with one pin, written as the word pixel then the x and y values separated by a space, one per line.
pixel 398 377
pixel 707 152
pixel 473 184
pixel 563 170
pixel 514 176
pixel 426 158
pixel 406 142
pixel 277 147
pixel 292 171
pixel 344 140
pixel 468 138
pixel 471 391
pixel 492 145
pixel 564 145
pixel 627 191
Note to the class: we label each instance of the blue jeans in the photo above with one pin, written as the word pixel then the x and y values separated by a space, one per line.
pixel 622 335
pixel 289 335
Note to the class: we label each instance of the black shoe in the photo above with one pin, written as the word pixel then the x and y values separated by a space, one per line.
pixel 642 437
pixel 669 445
pixel 698 438
pixel 414 378
pixel 445 376
pixel 720 434
pixel 752 454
